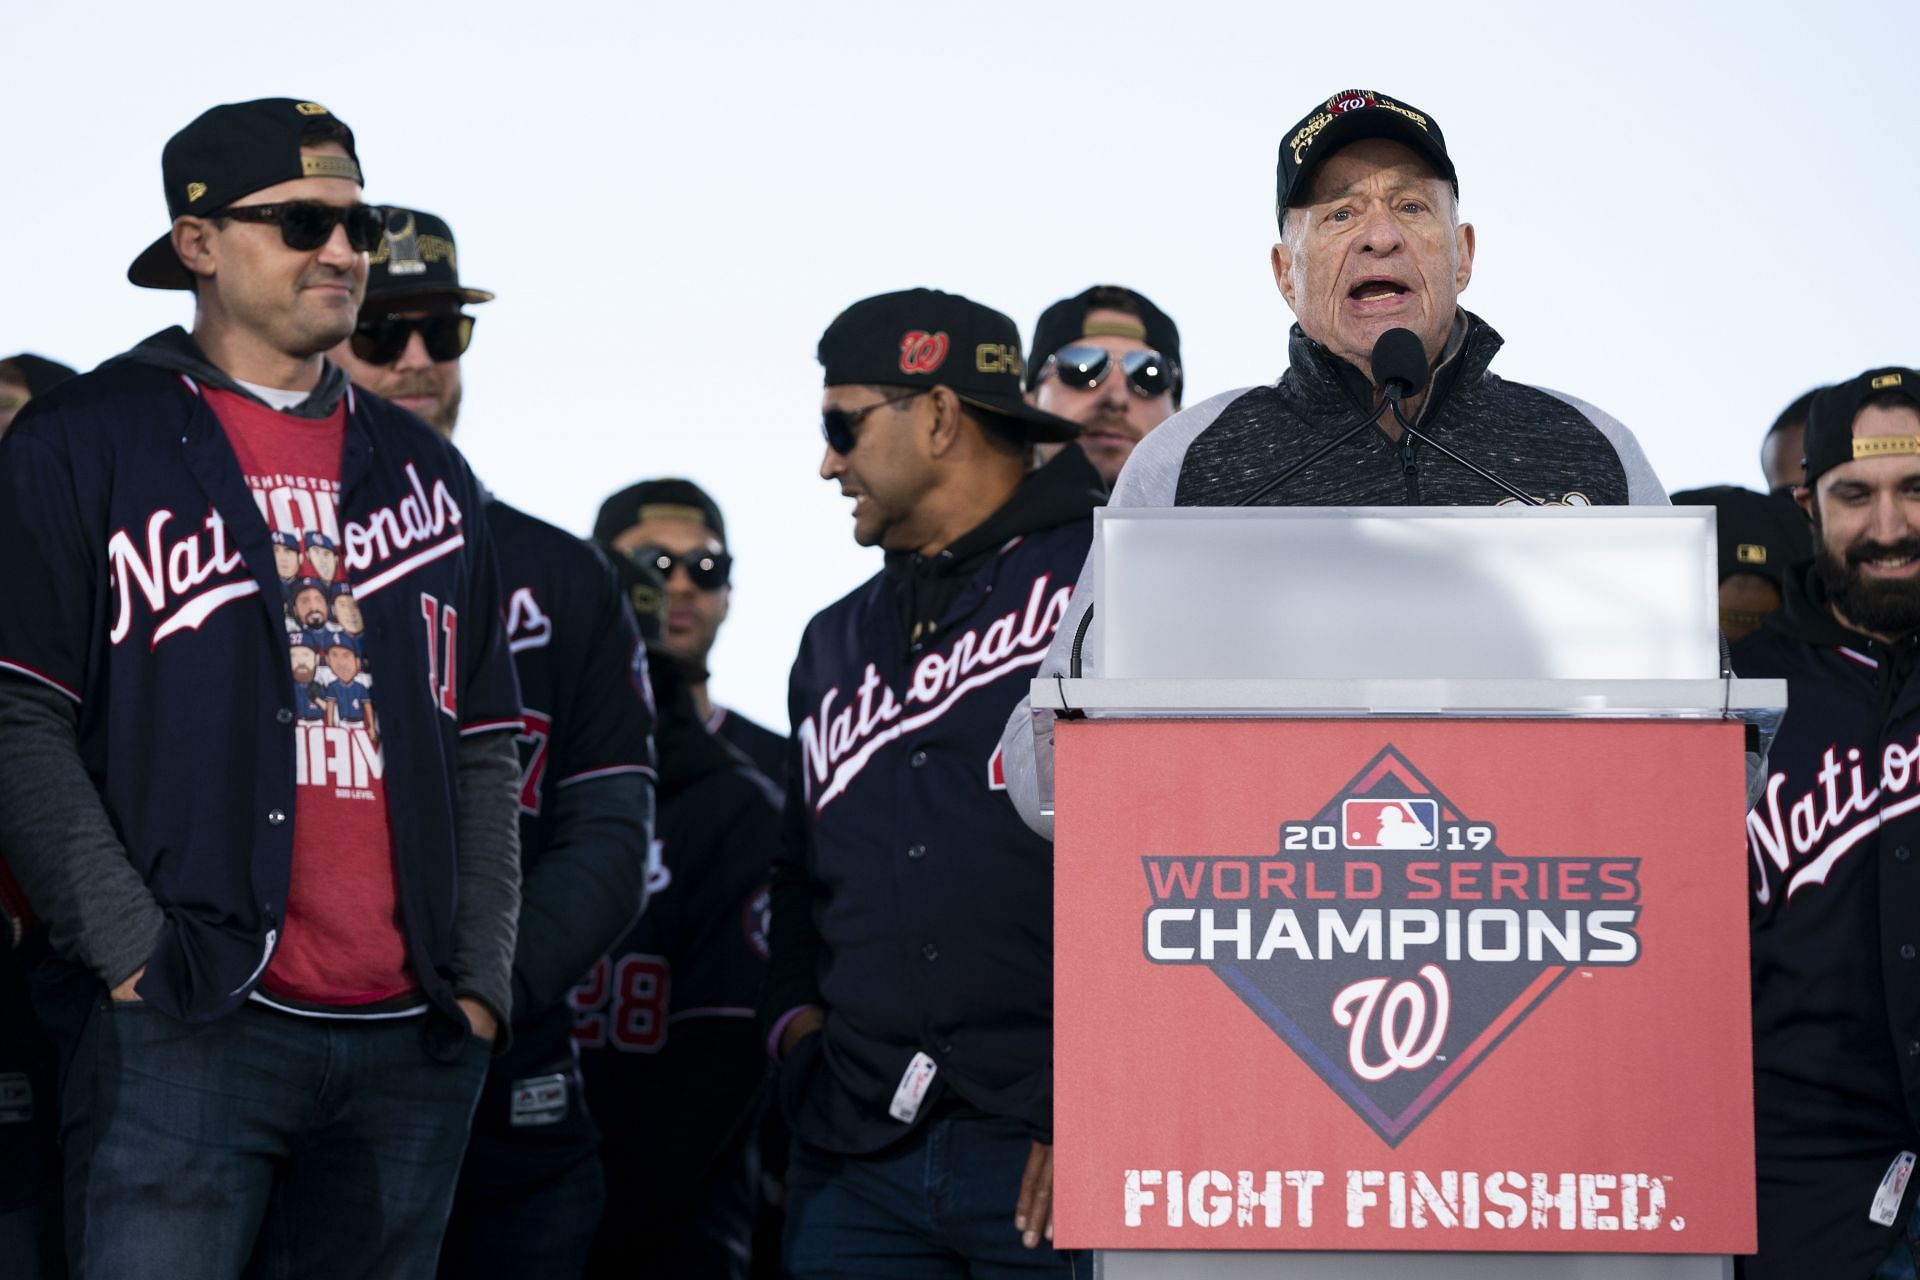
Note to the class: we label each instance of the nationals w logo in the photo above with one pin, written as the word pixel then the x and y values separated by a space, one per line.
pixel 1389 941
pixel 922 352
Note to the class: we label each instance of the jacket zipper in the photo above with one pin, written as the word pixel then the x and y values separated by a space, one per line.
pixel 1410 469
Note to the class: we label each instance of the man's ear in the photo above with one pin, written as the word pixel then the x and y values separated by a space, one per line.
pixel 1283 273
pixel 1803 495
pixel 193 242
pixel 944 421
pixel 1463 247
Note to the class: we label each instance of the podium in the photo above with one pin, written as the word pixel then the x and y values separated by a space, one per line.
pixel 1400 922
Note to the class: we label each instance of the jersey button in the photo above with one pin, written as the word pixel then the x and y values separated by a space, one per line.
pixel 275 817
pixel 946 1046
pixel 1906 951
pixel 917 759
pixel 1901 854
pixel 1913 1049
pixel 284 716
pixel 917 851
pixel 930 951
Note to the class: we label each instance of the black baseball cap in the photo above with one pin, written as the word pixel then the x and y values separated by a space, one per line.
pixel 1829 439
pixel 1065 322
pixel 232 151
pixel 664 499
pixel 1759 533
pixel 1349 116
pixel 416 260
pixel 926 338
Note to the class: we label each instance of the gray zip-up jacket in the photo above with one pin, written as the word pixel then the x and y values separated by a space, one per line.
pixel 1544 443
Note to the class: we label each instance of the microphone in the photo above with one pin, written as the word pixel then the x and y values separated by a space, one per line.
pixel 1399 364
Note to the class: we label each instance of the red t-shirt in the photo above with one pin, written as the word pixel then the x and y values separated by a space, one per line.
pixel 341 944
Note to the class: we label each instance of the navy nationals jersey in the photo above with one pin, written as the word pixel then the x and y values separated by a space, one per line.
pixel 1833 848
pixel 142 586
pixel 588 714
pixel 910 901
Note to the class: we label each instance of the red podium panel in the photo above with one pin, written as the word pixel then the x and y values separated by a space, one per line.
pixel 1423 985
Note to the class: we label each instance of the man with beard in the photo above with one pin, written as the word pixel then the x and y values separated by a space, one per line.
pixel 675 528
pixel 1110 360
pixel 531 1191
pixel 1835 911
pixel 309 605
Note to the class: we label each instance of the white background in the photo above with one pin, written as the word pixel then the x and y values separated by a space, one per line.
pixel 1687 214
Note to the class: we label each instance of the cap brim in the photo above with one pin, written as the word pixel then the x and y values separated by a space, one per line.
pixel 159 267
pixel 462 297
pixel 1356 126
pixel 1035 424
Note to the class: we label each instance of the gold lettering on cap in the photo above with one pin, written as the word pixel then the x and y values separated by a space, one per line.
pixel 1750 553
pixel 1886 380
pixel 996 357
pixel 312 166
pixel 1114 329
pixel 1884 446
pixel 310 109
pixel 195 190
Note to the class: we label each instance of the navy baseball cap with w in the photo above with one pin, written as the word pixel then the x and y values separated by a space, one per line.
pixel 1349 116
pixel 926 338
pixel 232 151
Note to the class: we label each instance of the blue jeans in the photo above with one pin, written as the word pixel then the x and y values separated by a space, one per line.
pixel 1900 1262
pixel 265 1144
pixel 541 1234
pixel 938 1204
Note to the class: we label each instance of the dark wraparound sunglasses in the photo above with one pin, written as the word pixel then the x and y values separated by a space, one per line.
pixel 306 224
pixel 840 425
pixel 1148 373
pixel 381 339
pixel 707 569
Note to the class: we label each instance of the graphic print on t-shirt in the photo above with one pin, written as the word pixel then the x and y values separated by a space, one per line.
pixel 339 730
pixel 341 944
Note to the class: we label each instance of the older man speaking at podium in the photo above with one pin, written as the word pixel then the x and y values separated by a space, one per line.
pixel 1372 259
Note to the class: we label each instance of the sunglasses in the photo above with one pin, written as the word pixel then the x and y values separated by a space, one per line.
pixel 305 225
pixel 839 425
pixel 1148 373
pixel 707 570
pixel 381 339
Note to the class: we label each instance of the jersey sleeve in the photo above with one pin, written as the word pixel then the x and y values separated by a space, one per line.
pixel 606 728
pixel 489 691
pixel 49 573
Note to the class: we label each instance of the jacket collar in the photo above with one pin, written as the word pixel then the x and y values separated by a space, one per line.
pixel 1318 382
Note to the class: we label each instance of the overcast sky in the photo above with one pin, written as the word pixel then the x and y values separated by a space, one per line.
pixel 1687 214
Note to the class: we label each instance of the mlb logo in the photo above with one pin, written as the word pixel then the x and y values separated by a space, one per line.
pixel 1411 823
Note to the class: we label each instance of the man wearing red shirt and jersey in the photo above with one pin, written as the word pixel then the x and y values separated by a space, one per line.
pixel 281 941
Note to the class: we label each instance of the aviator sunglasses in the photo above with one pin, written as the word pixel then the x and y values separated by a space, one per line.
pixel 306 224
pixel 706 569
pixel 381 339
pixel 839 425
pixel 1148 373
